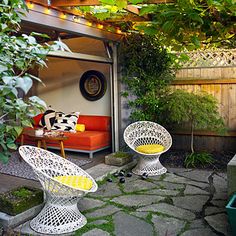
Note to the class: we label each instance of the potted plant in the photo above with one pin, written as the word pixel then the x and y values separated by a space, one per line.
pixel 20 199
pixel 118 158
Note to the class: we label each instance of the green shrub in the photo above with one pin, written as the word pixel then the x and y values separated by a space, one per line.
pixel 195 159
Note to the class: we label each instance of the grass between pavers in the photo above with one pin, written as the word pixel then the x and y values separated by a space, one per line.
pixel 108 226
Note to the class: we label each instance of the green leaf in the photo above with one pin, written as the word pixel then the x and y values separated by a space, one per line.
pixel 12 146
pixel 167 26
pixel 147 10
pixel 196 17
pixel 18 130
pixel 36 99
pixel 3 158
pixel 25 83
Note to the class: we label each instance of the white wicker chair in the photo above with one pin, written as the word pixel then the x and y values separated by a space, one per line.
pixel 147 132
pixel 60 213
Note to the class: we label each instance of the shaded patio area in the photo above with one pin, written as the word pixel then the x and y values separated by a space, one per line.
pixel 180 202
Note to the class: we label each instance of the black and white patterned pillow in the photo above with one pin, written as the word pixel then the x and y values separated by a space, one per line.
pixel 65 122
pixel 48 119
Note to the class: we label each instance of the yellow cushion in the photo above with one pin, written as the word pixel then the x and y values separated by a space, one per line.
pixel 150 148
pixel 75 181
pixel 80 127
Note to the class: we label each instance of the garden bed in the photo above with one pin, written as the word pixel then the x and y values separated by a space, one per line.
pixel 175 158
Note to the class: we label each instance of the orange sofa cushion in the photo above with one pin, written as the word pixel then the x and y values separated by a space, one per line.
pixel 96 135
pixel 88 140
pixel 98 123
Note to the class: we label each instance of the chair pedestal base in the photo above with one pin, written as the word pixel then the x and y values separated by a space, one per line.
pixel 150 165
pixel 59 215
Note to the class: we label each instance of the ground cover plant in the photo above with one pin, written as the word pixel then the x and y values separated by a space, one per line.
pixel 18 54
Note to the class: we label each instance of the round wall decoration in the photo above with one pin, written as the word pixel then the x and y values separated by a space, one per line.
pixel 93 85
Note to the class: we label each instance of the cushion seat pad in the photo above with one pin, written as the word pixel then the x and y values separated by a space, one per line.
pixel 87 140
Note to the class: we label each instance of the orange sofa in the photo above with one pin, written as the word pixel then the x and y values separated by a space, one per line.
pixel 96 136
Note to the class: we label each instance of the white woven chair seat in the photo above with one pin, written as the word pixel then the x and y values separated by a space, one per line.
pixel 143 133
pixel 60 213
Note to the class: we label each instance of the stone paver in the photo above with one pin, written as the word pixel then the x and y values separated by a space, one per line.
pixel 219 222
pixel 163 192
pixel 127 225
pixel 96 232
pixel 220 183
pixel 108 210
pixel 197 175
pixel 199 232
pixel 193 203
pixel 171 186
pixel 138 186
pixel 98 222
pixel 219 203
pixel 174 211
pixel 213 210
pixel 182 180
pixel 194 190
pixel 196 224
pixel 88 203
pixel 107 190
pixel 140 214
pixel 167 226
pixel 137 200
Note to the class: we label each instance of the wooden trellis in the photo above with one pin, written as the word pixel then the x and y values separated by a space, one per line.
pixel 211 58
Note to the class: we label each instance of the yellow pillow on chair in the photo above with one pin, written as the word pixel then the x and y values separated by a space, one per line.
pixel 150 148
pixel 75 181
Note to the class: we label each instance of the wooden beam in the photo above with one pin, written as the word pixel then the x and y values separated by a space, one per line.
pixel 38 17
pixel 70 3
pixel 80 56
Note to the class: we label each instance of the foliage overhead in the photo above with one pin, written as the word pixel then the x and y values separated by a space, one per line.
pixel 18 54
pixel 146 74
pixel 183 24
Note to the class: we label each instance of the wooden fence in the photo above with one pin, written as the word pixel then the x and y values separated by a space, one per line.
pixel 221 83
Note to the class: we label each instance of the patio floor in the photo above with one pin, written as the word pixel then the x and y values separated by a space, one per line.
pixel 184 202
pixel 181 202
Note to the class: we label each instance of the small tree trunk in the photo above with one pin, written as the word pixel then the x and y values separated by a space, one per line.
pixel 192 149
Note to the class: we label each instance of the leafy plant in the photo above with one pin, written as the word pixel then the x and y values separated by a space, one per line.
pixel 193 159
pixel 146 75
pixel 18 54
pixel 194 111
pixel 183 24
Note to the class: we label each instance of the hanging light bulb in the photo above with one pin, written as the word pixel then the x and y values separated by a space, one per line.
pixel 63 15
pixel 89 23
pixel 30 5
pixel 100 26
pixel 76 19
pixel 118 31
pixel 47 10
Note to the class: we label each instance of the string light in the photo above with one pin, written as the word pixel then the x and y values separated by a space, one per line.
pixel 100 26
pixel 118 31
pixel 76 19
pixel 47 10
pixel 30 5
pixel 63 15
pixel 89 23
